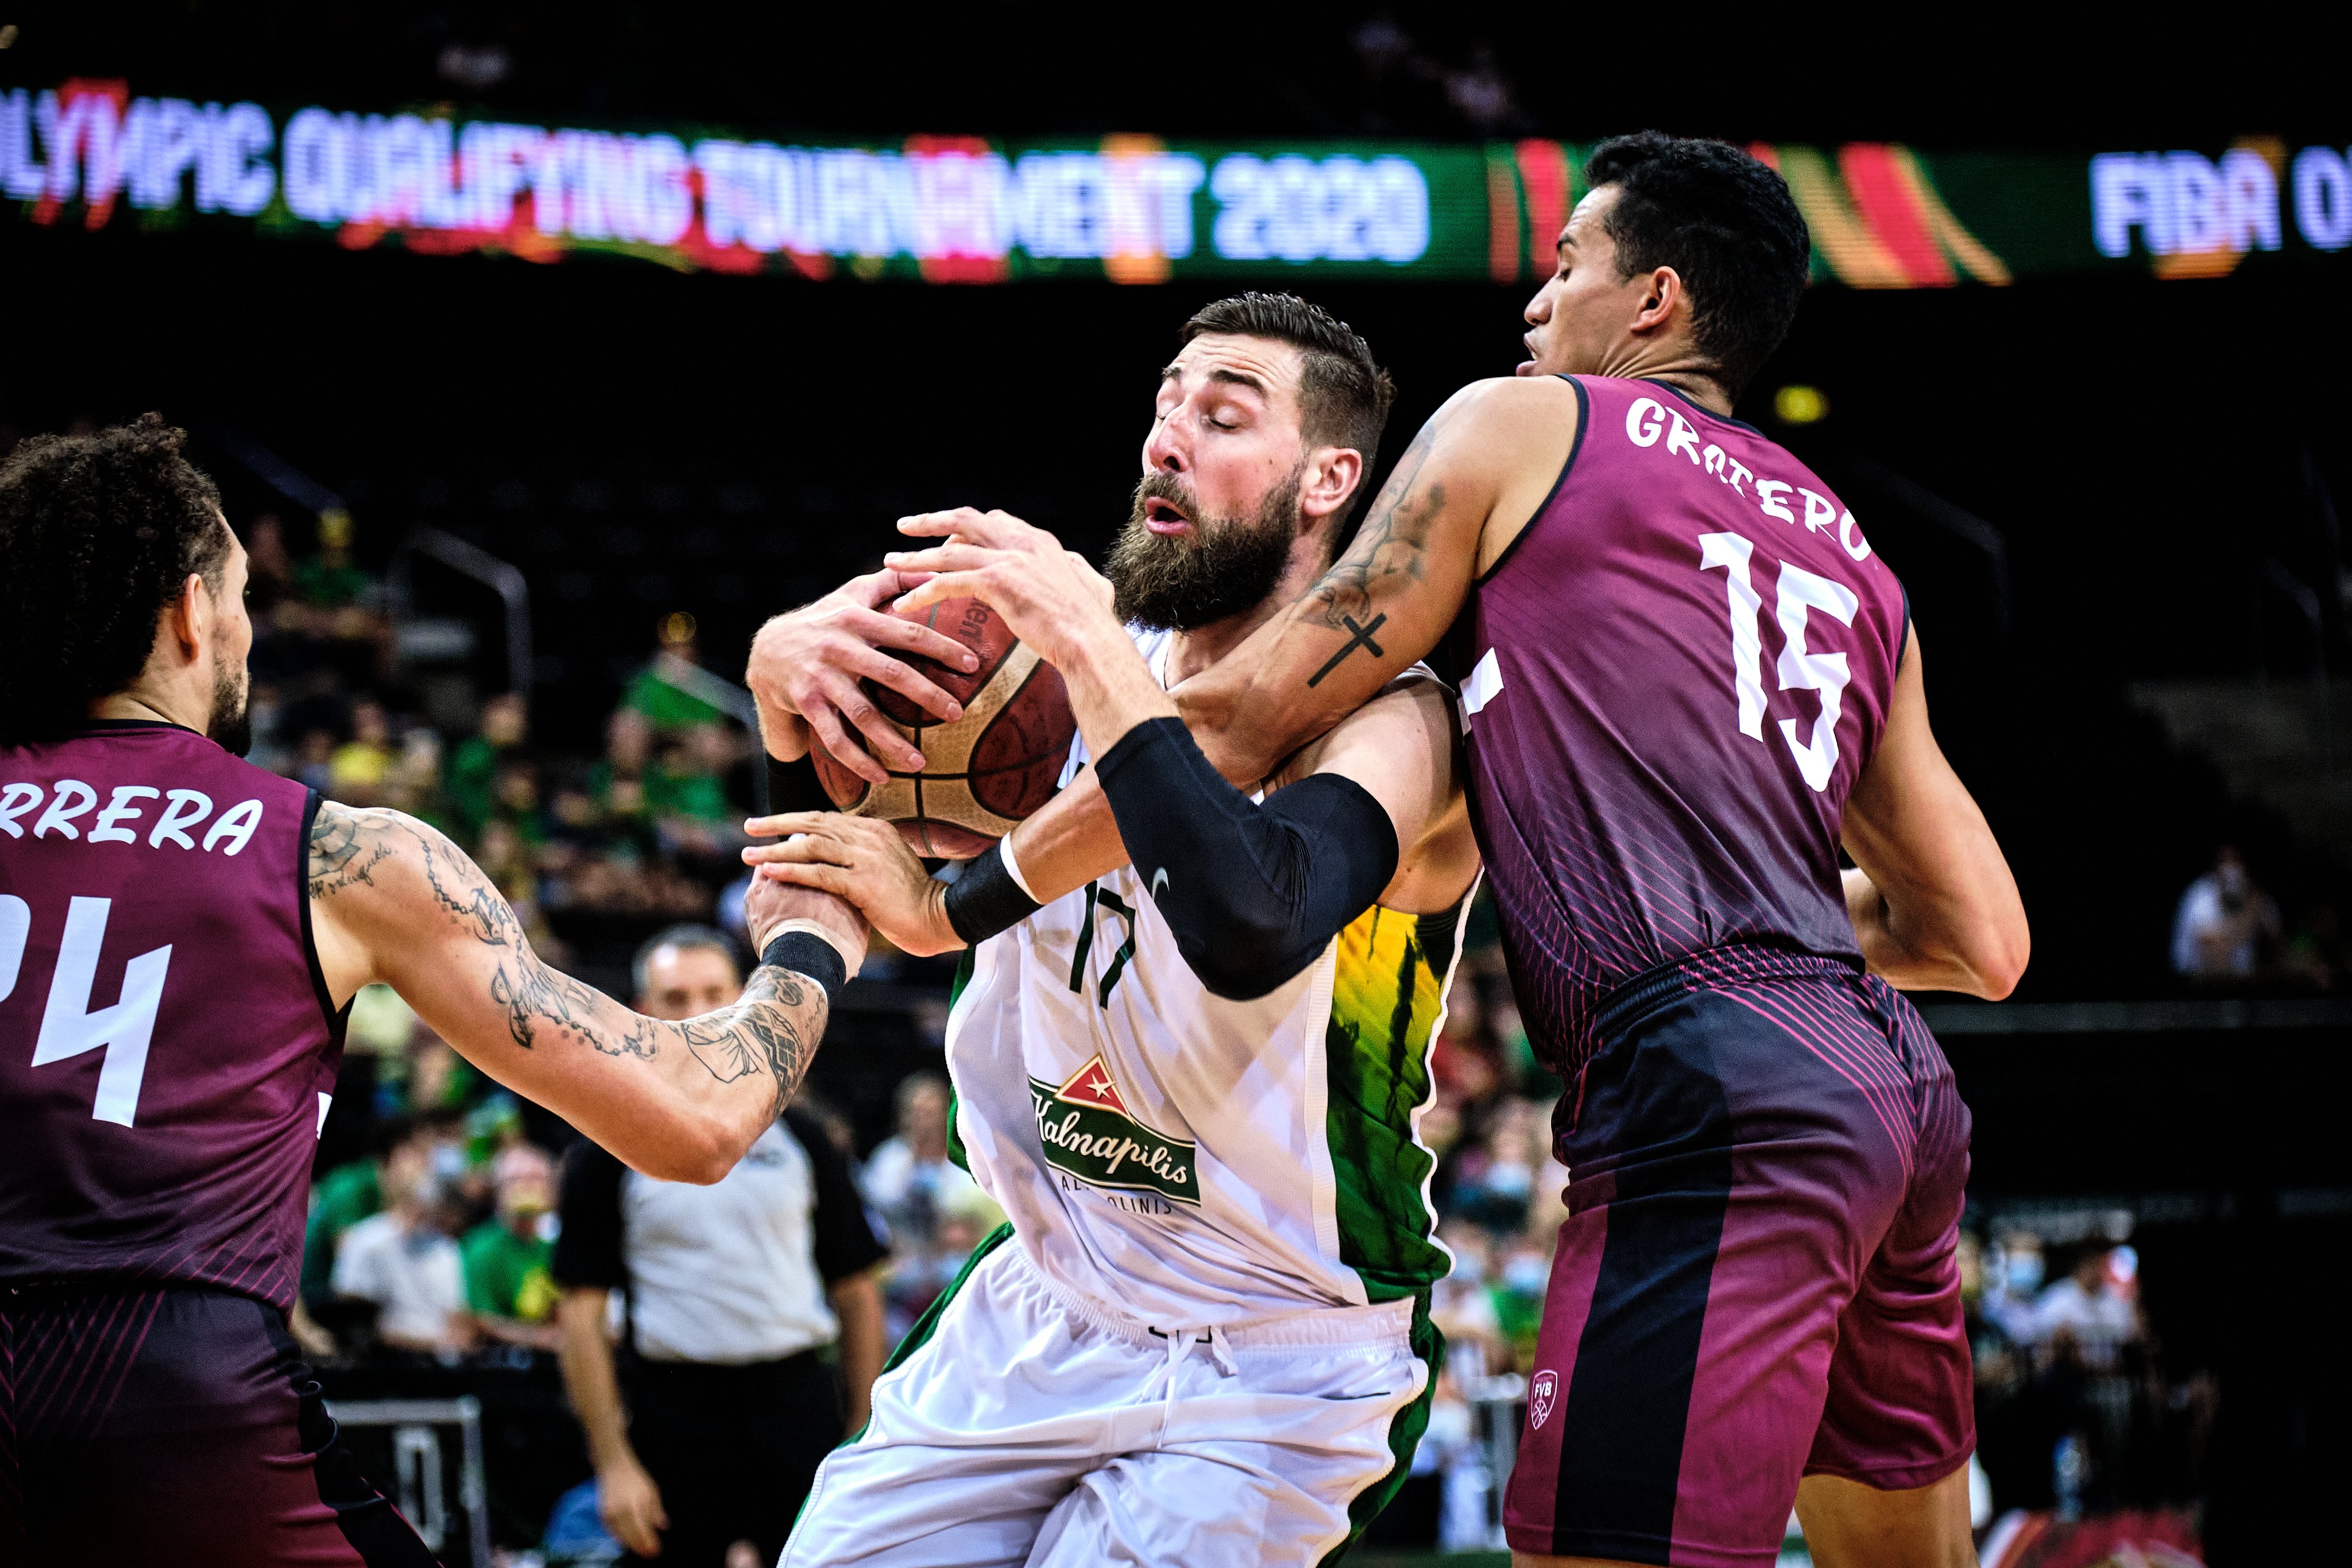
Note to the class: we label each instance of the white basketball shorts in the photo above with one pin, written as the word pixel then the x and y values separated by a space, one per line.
pixel 1034 1428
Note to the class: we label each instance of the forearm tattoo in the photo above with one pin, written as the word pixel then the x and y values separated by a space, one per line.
pixel 770 1031
pixel 1393 541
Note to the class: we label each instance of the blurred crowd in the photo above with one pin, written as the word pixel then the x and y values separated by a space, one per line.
pixel 2077 1407
pixel 649 826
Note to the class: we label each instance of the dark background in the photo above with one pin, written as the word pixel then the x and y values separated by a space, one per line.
pixel 640 441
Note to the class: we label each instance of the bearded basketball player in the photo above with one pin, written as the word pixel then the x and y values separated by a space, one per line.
pixel 1203 1338
pixel 1691 682
pixel 181 934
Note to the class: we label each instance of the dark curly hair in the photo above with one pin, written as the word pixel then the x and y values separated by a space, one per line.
pixel 1343 396
pixel 97 534
pixel 1725 223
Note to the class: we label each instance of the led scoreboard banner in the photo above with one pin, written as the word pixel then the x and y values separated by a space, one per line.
pixel 90 155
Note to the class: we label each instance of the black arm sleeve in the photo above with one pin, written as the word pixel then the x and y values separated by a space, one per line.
pixel 794 786
pixel 1252 892
pixel 842 1235
pixel 588 1249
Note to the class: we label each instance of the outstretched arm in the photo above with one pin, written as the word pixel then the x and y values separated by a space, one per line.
pixel 393 900
pixel 1932 899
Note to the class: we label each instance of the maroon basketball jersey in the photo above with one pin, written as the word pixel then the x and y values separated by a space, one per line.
pixel 166 1044
pixel 1677 672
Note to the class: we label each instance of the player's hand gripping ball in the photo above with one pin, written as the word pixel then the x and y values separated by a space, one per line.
pixel 985 771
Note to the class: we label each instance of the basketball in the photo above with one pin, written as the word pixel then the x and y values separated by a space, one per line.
pixel 987 770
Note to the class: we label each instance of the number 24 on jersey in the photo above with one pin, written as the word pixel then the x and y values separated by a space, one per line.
pixel 68 1028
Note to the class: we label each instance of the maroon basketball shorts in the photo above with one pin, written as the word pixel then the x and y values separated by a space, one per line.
pixel 174 1426
pixel 1756 1280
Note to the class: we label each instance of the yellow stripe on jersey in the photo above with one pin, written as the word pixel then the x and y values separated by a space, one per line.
pixel 1387 997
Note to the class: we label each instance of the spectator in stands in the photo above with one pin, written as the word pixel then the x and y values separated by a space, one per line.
pixel 314 759
pixel 2092 1305
pixel 689 780
pixel 414 782
pixel 330 579
pixel 628 748
pixel 357 771
pixel 685 790
pixel 348 1194
pixel 1462 1307
pixel 510 1286
pixel 936 1213
pixel 1518 1294
pixel 473 768
pixel 404 1261
pixel 1496 1183
pixel 660 690
pixel 506 859
pixel 269 569
pixel 910 1177
pixel 2226 926
pixel 2013 1284
pixel 514 798
pixel 440 1082
pixel 731 1292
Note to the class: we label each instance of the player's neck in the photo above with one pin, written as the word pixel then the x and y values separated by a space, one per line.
pixel 140 702
pixel 1674 360
pixel 1702 390
pixel 1194 651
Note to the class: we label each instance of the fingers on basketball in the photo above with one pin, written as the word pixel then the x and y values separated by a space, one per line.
pixel 981 773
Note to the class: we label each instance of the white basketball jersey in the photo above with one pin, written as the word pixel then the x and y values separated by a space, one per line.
pixel 1190 1160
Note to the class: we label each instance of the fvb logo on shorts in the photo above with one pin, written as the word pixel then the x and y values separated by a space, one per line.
pixel 1542 1390
pixel 1089 1133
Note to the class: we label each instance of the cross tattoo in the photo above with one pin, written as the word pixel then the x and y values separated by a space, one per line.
pixel 1362 639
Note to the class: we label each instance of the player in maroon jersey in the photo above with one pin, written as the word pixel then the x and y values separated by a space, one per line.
pixel 180 936
pixel 1690 681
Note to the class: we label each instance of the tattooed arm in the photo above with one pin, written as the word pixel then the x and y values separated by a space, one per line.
pixel 393 900
pixel 1470 483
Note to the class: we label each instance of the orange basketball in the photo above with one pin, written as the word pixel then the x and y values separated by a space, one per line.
pixel 987 770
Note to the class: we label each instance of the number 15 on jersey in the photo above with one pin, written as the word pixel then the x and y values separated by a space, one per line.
pixel 1798 592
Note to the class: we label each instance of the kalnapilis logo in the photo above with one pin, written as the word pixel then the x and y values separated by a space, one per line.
pixel 1090 1135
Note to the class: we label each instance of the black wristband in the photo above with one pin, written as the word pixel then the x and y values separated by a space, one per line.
pixel 805 953
pixel 985 899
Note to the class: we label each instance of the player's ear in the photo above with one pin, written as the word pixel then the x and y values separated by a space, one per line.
pixel 1331 477
pixel 191 616
pixel 1658 298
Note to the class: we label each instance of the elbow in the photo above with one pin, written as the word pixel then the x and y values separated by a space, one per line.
pixel 707 1172
pixel 719 1154
pixel 1999 957
pixel 1243 960
pixel 700 1151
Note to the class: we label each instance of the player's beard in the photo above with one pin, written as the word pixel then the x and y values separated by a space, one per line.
pixel 232 720
pixel 1224 566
